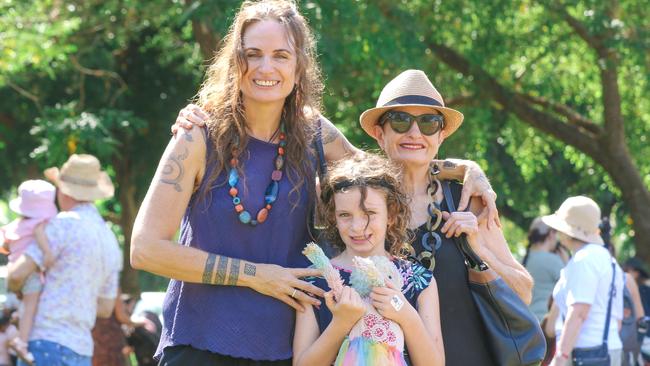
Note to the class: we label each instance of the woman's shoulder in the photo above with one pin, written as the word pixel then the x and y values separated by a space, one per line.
pixel 190 144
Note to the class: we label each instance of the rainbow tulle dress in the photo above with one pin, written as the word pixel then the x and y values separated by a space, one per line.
pixel 374 340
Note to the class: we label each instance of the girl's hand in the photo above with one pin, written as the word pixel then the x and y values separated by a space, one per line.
pixel 458 223
pixel 190 116
pixel 392 305
pixel 348 309
pixel 285 284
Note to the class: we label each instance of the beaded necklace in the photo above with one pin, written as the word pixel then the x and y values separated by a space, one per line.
pixel 431 240
pixel 271 193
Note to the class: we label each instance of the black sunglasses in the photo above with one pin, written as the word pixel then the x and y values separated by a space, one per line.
pixel 401 122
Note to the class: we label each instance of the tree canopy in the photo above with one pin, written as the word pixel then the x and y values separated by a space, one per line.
pixel 553 92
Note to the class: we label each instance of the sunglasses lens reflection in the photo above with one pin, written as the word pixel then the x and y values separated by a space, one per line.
pixel 429 124
pixel 401 122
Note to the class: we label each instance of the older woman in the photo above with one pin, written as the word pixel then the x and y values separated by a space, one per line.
pixel 589 294
pixel 244 192
pixel 410 122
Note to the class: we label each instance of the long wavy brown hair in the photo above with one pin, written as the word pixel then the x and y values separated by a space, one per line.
pixel 363 171
pixel 220 94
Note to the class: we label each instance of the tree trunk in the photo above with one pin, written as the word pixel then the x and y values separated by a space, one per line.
pixel 204 35
pixel 126 197
pixel 636 196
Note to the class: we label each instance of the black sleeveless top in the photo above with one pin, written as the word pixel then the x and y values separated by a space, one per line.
pixel 463 333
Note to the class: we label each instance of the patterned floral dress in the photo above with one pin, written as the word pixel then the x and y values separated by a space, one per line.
pixel 415 279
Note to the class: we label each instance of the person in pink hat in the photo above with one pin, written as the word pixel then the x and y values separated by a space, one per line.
pixel 34 205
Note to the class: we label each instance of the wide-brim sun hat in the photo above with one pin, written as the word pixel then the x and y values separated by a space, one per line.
pixel 81 178
pixel 577 217
pixel 35 200
pixel 411 88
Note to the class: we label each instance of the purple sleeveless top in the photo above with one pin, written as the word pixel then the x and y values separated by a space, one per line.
pixel 231 320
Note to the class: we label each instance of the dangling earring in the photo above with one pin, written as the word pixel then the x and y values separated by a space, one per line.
pixel 434 169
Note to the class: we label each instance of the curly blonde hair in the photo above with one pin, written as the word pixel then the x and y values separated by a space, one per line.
pixel 363 171
pixel 220 93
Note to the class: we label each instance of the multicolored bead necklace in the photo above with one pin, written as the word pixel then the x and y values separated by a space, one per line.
pixel 271 193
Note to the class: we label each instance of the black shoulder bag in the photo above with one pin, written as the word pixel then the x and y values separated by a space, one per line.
pixel 598 355
pixel 513 332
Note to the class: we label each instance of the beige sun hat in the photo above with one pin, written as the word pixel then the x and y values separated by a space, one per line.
pixel 81 178
pixel 410 88
pixel 577 217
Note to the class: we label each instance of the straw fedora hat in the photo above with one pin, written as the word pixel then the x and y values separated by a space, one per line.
pixel 81 178
pixel 410 88
pixel 577 217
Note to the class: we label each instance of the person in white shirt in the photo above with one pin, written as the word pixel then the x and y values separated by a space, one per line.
pixel 82 283
pixel 583 291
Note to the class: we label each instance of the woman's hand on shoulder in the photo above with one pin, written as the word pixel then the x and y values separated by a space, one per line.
pixel 285 284
pixel 475 184
pixel 188 117
pixel 391 304
pixel 348 308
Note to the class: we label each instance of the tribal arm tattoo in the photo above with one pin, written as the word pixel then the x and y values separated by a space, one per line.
pixel 335 142
pixel 465 171
pixel 450 169
pixel 173 171
pixel 221 270
pixel 330 133
pixel 234 272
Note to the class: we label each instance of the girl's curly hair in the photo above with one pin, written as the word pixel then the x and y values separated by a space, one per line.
pixel 363 171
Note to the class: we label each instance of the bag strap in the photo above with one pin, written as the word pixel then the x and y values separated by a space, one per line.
pixel 472 259
pixel 612 292
pixel 320 152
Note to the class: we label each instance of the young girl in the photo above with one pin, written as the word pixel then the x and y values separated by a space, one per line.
pixel 365 215
pixel 35 205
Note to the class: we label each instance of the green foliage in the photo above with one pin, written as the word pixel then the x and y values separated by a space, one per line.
pixel 63 132
pixel 108 77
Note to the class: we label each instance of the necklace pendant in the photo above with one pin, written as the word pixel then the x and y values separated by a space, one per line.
pixel 271 193
pixel 233 177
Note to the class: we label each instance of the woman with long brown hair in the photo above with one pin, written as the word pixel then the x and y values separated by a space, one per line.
pixel 243 193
